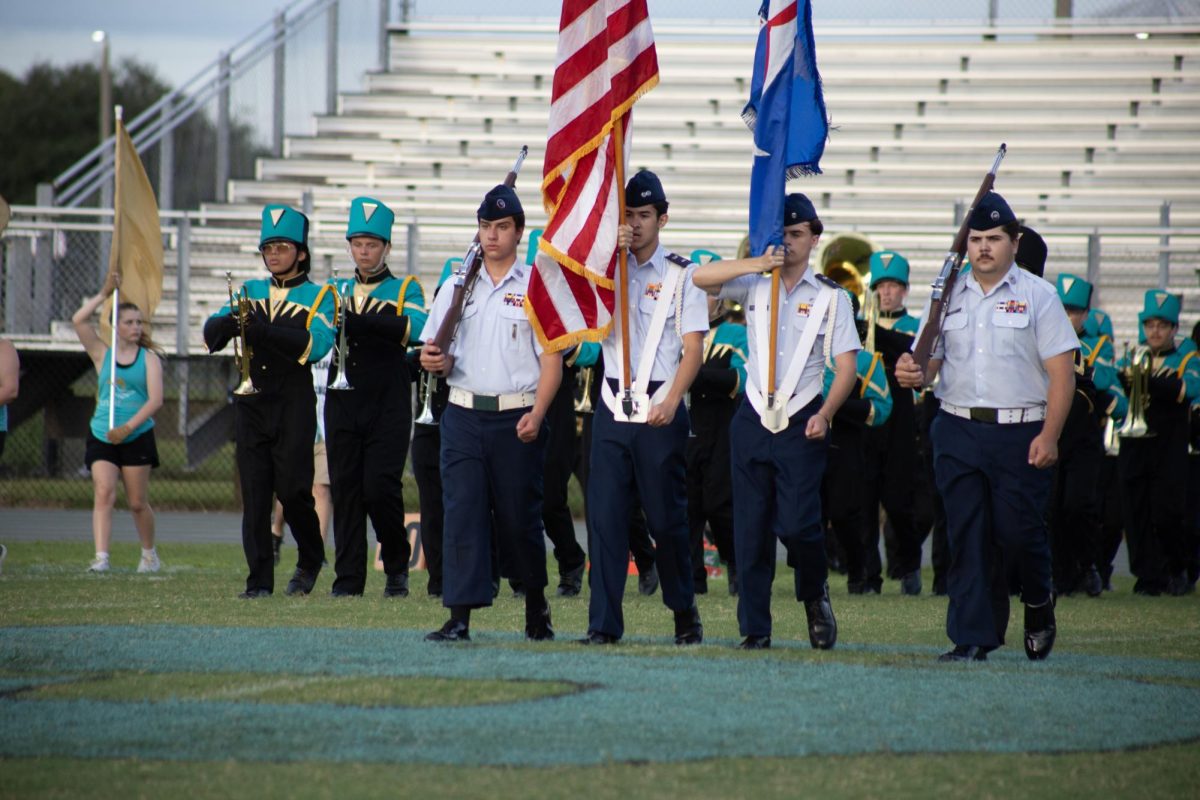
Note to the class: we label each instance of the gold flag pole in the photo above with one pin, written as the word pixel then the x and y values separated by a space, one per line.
pixel 623 271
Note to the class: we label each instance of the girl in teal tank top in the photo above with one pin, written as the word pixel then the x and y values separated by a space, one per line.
pixel 126 452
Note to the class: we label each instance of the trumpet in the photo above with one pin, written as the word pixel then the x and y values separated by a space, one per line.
pixel 427 382
pixel 870 313
pixel 241 348
pixel 341 383
pixel 1140 363
pixel 583 380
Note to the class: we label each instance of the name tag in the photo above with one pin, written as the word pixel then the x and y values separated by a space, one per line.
pixel 514 299
pixel 803 309
pixel 652 291
pixel 1012 307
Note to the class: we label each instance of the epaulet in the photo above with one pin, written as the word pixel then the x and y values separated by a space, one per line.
pixel 828 281
pixel 677 259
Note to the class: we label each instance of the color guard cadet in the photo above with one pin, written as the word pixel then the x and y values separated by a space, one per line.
pixel 493 431
pixel 892 458
pixel 1075 505
pixel 287 322
pixel 1005 360
pixel 1164 380
pixel 644 453
pixel 868 407
pixel 368 404
pixel 715 394
pixel 779 437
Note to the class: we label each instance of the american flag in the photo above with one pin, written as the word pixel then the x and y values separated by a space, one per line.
pixel 606 61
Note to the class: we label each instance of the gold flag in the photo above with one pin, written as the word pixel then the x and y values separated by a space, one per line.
pixel 137 251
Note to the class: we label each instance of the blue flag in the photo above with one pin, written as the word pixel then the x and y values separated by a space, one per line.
pixel 786 112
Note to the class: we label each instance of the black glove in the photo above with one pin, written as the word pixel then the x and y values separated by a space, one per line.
pixel 716 380
pixel 257 326
pixel 218 331
pixel 289 342
pixel 354 323
pixel 1168 388
pixel 855 411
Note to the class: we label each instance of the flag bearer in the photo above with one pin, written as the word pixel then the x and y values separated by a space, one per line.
pixel 288 326
pixel 645 452
pixel 367 426
pixel 779 452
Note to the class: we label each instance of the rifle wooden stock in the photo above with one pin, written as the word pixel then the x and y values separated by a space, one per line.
pixel 943 284
pixel 472 261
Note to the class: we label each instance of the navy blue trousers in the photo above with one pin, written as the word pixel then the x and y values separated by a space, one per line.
pixel 995 518
pixel 628 460
pixel 489 475
pixel 776 495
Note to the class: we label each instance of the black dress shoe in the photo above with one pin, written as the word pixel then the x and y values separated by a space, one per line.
pixel 596 637
pixel 755 643
pixel 910 584
pixel 939 587
pixel 570 583
pixel 453 631
pixel 397 585
pixel 1040 630
pixel 1093 584
pixel 254 594
pixel 434 587
pixel 822 627
pixel 648 580
pixel 340 592
pixel 733 581
pixel 537 624
pixel 688 629
pixel 276 544
pixel 302 582
pixel 964 652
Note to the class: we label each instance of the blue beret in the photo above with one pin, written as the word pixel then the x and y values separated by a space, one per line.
pixel 992 212
pixel 499 203
pixel 888 265
pixel 798 208
pixel 282 223
pixel 1032 252
pixel 1158 304
pixel 1074 291
pixel 369 217
pixel 644 189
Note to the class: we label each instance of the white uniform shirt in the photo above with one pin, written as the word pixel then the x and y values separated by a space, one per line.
pixel 993 344
pixel 645 282
pixel 794 310
pixel 495 349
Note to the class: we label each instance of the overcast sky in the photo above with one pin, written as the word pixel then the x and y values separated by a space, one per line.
pixel 180 38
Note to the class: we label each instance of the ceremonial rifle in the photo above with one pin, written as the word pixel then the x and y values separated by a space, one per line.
pixel 943 285
pixel 472 261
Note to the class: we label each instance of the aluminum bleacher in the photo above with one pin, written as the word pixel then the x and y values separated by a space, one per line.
pixel 1103 129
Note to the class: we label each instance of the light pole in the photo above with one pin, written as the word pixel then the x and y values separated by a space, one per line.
pixel 101 38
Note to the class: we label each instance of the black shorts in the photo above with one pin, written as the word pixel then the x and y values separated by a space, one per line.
pixel 139 452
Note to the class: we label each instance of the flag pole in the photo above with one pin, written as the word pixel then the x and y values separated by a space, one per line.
pixel 623 270
pixel 773 338
pixel 112 365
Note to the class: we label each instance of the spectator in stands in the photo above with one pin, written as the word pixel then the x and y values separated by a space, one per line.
pixel 124 451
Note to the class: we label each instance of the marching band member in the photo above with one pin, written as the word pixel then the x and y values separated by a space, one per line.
pixel 287 326
pixel 367 426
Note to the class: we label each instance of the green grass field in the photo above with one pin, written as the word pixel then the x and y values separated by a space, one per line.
pixel 131 685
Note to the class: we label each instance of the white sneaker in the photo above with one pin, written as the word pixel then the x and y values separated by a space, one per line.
pixel 149 563
pixel 99 565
